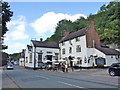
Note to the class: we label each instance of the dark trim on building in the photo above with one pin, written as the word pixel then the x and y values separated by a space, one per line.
pixel 35 58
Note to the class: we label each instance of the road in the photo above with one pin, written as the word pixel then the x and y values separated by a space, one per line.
pixel 26 78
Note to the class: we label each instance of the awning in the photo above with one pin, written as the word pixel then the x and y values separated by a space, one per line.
pixel 47 61
pixel 61 60
pixel 74 60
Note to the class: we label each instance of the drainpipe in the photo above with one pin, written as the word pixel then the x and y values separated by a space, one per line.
pixel 93 58
pixel 34 58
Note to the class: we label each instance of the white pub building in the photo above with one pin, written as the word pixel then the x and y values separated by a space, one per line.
pixel 84 49
pixel 40 52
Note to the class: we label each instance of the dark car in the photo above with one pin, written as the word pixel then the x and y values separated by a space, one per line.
pixel 114 69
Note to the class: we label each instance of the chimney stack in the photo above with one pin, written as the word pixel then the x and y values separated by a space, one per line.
pixel 41 39
pixel 66 32
pixel 92 23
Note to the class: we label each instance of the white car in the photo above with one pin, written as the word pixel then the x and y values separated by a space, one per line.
pixel 10 67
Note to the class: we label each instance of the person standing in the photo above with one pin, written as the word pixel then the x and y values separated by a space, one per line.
pixel 66 68
pixel 63 67
pixel 73 64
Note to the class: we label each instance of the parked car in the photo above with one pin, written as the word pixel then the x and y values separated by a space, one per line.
pixel 10 67
pixel 42 65
pixel 114 69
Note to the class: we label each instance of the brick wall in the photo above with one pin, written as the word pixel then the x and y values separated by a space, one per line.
pixel 92 37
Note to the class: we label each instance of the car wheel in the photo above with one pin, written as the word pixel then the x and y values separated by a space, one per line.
pixel 112 73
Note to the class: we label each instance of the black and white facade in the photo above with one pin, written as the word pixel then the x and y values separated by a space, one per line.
pixel 41 52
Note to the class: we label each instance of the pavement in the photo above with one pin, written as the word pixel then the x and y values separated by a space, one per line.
pixel 10 83
pixel 0 78
pixel 6 81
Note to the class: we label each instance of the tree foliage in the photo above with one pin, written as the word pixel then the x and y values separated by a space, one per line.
pixel 107 23
pixel 6 16
pixel 67 25
pixel 15 56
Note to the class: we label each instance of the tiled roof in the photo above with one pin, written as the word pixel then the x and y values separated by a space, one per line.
pixel 74 35
pixel 29 46
pixel 108 51
pixel 45 44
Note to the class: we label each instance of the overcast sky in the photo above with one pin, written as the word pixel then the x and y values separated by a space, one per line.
pixel 39 19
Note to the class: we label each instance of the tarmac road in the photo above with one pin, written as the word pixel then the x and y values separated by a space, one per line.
pixel 26 78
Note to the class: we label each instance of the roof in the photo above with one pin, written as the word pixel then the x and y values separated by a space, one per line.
pixel 29 46
pixel 108 51
pixel 73 35
pixel 45 44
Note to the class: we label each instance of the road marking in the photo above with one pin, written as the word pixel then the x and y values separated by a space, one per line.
pixel 70 84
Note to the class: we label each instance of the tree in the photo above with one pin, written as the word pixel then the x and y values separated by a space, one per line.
pixel 69 26
pixel 81 23
pixel 61 26
pixel 6 16
pixel 107 22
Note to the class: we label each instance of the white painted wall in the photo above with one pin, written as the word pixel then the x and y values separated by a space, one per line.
pixel 99 53
pixel 90 52
pixel 108 58
pixel 44 51
pixel 38 50
pixel 27 55
pixel 21 61
pixel 85 52
pixel 75 54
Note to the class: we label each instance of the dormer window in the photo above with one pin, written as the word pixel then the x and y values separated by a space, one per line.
pixel 70 50
pixel 63 43
pixel 30 60
pixel 70 42
pixel 30 48
pixel 77 39
pixel 63 51
pixel 78 48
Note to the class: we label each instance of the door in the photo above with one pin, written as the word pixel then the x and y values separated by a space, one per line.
pixel 100 61
pixel 49 57
pixel 39 59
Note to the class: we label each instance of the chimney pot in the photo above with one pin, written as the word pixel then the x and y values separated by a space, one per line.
pixel 91 23
pixel 66 32
pixel 41 39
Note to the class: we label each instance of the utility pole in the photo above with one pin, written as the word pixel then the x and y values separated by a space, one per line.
pixel 34 58
pixel 1 33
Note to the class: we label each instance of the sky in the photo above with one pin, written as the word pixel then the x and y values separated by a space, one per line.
pixel 35 20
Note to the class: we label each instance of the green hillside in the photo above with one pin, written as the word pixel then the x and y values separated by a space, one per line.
pixel 15 56
pixel 107 23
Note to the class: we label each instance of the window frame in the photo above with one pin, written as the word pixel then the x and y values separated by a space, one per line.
pixel 63 51
pixel 77 39
pixel 70 49
pixel 78 48
pixel 30 59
